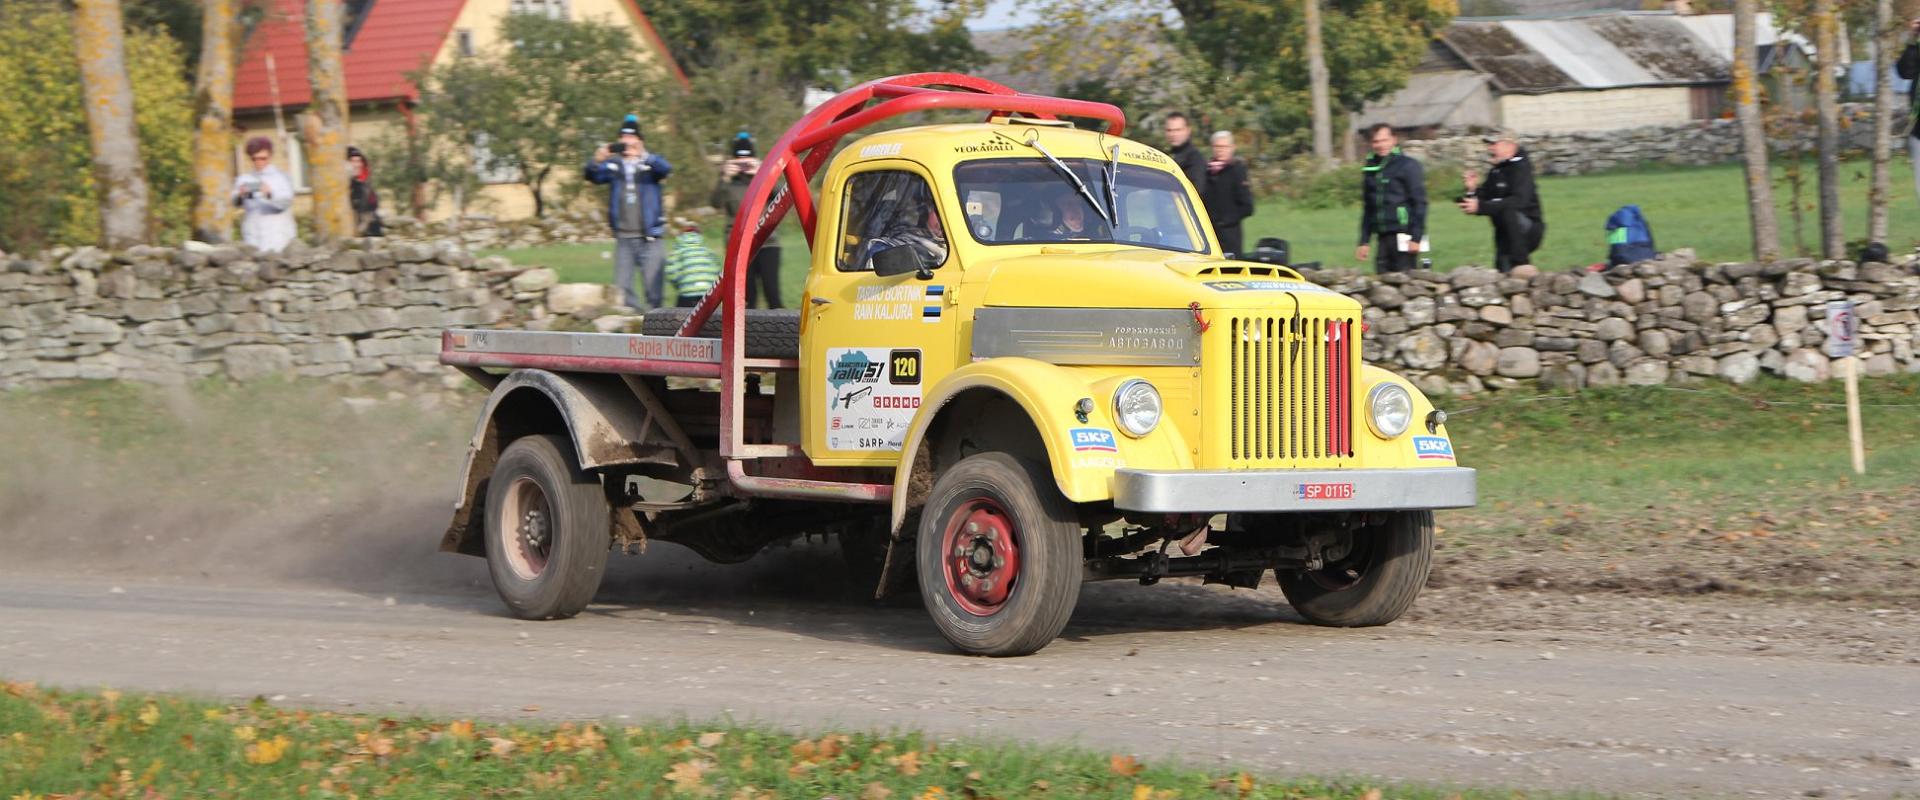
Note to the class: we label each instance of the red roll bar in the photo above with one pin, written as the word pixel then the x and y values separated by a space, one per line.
pixel 796 158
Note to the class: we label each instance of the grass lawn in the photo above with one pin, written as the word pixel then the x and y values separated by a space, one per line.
pixel 60 743
pixel 593 262
pixel 1699 207
pixel 1704 208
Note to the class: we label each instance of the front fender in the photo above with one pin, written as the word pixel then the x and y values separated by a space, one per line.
pixel 1416 448
pixel 1081 455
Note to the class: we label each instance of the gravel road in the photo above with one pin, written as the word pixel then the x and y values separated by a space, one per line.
pixel 1174 671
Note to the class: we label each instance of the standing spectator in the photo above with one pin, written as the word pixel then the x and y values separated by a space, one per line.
pixel 1393 192
pixel 264 197
pixel 1191 161
pixel 360 193
pixel 634 210
pixel 1228 197
pixel 691 268
pixel 763 272
pixel 1509 199
pixel 1909 68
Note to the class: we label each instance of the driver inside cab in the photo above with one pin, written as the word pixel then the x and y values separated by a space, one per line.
pixel 1074 220
pixel 916 226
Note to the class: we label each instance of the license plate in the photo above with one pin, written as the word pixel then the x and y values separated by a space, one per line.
pixel 1325 491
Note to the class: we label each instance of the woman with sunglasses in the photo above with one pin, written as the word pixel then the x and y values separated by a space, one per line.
pixel 264 197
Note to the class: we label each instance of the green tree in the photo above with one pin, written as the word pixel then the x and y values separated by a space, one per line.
pixel 538 105
pixel 821 42
pixel 47 190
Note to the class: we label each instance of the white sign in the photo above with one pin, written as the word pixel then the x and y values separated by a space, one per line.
pixel 872 395
pixel 1843 328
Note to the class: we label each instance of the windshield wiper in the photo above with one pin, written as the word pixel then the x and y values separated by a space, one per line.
pixel 1113 187
pixel 1033 141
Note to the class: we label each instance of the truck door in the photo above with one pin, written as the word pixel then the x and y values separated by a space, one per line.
pixel 874 342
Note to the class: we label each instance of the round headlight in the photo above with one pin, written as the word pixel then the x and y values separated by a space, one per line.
pixel 1389 410
pixel 1136 406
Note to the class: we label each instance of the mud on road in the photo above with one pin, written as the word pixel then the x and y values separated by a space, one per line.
pixel 1694 666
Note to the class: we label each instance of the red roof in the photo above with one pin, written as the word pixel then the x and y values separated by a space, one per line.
pixel 398 37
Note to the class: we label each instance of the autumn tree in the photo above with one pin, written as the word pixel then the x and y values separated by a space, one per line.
pixel 213 138
pixel 1826 103
pixel 323 127
pixel 832 43
pixel 1886 39
pixel 100 45
pixel 1317 87
pixel 1753 134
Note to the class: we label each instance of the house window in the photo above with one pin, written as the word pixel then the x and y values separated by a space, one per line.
pixel 554 9
pixel 463 39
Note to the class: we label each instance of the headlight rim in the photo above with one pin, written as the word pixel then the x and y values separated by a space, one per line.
pixel 1373 422
pixel 1120 418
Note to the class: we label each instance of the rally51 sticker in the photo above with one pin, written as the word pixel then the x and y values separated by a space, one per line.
pixel 872 395
pixel 1433 447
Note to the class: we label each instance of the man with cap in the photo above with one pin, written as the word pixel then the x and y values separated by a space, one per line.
pixel 1509 199
pixel 634 210
pixel 736 173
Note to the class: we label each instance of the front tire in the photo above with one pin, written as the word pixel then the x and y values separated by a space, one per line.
pixel 1375 583
pixel 547 529
pixel 998 553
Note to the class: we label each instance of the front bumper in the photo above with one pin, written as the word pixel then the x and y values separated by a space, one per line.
pixel 1217 491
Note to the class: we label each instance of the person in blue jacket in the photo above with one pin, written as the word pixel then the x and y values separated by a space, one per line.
pixel 634 210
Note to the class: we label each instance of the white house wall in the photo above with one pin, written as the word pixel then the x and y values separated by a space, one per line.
pixel 1605 109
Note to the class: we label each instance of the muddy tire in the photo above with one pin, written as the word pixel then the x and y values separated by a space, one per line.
pixel 547 529
pixel 998 556
pixel 1375 583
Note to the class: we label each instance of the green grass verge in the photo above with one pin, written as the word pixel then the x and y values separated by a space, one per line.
pixel 110 744
pixel 592 262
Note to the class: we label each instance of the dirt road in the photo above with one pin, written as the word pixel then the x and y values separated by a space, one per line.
pixel 1169 671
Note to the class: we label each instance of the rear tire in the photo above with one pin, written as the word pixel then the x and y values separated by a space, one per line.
pixel 1375 583
pixel 547 529
pixel 998 555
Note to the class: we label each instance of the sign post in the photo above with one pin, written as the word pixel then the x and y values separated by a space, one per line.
pixel 1843 336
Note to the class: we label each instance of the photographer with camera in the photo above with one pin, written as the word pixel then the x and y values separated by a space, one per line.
pixel 763 272
pixel 634 211
pixel 1507 197
pixel 264 197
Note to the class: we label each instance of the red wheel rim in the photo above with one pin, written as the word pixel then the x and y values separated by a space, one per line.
pixel 980 556
pixel 526 520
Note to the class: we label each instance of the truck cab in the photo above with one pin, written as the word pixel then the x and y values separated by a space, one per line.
pixel 1021 363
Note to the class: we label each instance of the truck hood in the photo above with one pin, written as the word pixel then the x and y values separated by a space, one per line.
pixel 1136 277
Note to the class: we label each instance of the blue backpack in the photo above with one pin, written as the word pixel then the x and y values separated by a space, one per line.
pixel 1629 239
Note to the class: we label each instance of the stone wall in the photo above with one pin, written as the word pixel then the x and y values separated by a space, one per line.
pixel 171 315
pixel 1664 321
pixel 1691 144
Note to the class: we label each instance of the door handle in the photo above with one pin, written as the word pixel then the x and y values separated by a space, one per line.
pixel 819 301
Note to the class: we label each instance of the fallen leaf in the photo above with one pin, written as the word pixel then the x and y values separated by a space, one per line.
pixel 1124 766
pixel 110 696
pixel 1142 792
pixel 460 729
pixel 907 763
pixel 689 777
pixel 932 793
pixel 150 715
pixel 500 747
pixel 268 751
pixel 875 791
pixel 712 739
pixel 244 733
pixel 1371 794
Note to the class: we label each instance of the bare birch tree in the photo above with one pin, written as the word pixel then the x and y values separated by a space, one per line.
pixel 323 126
pixel 99 41
pixel 1826 106
pixel 1317 86
pixel 1753 134
pixel 213 104
pixel 1886 37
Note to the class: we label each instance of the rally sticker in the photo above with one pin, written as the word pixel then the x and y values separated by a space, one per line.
pixel 1435 447
pixel 903 302
pixel 1323 491
pixel 1264 286
pixel 872 395
pixel 1093 440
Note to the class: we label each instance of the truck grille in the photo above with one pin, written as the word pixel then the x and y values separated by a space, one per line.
pixel 1291 393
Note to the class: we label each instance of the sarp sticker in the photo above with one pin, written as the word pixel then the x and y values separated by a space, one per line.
pixel 1093 440
pixel 1433 447
pixel 873 394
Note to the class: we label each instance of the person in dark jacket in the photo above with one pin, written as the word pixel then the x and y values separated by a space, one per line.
pixel 360 194
pixel 1393 193
pixel 736 173
pixel 1189 159
pixel 1508 198
pixel 1909 68
pixel 1228 196
pixel 634 210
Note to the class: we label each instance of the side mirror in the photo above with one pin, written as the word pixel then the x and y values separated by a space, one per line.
pixel 900 260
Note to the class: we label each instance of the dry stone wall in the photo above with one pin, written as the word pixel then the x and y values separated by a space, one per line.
pixel 170 315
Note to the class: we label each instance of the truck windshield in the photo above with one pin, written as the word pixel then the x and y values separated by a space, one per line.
pixel 1028 201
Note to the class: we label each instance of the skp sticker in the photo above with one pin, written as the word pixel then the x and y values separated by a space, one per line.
pixel 1093 440
pixel 1323 491
pixel 1433 447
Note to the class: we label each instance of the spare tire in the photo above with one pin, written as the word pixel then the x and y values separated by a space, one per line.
pixel 771 333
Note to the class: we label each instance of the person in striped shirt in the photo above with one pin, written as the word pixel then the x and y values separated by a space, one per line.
pixel 691 267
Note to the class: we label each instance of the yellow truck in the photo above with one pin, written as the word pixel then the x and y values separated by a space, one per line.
pixel 1021 362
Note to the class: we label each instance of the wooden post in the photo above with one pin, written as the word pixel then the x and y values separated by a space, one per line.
pixel 1853 416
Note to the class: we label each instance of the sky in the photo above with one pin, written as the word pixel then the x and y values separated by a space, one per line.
pixel 1001 14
